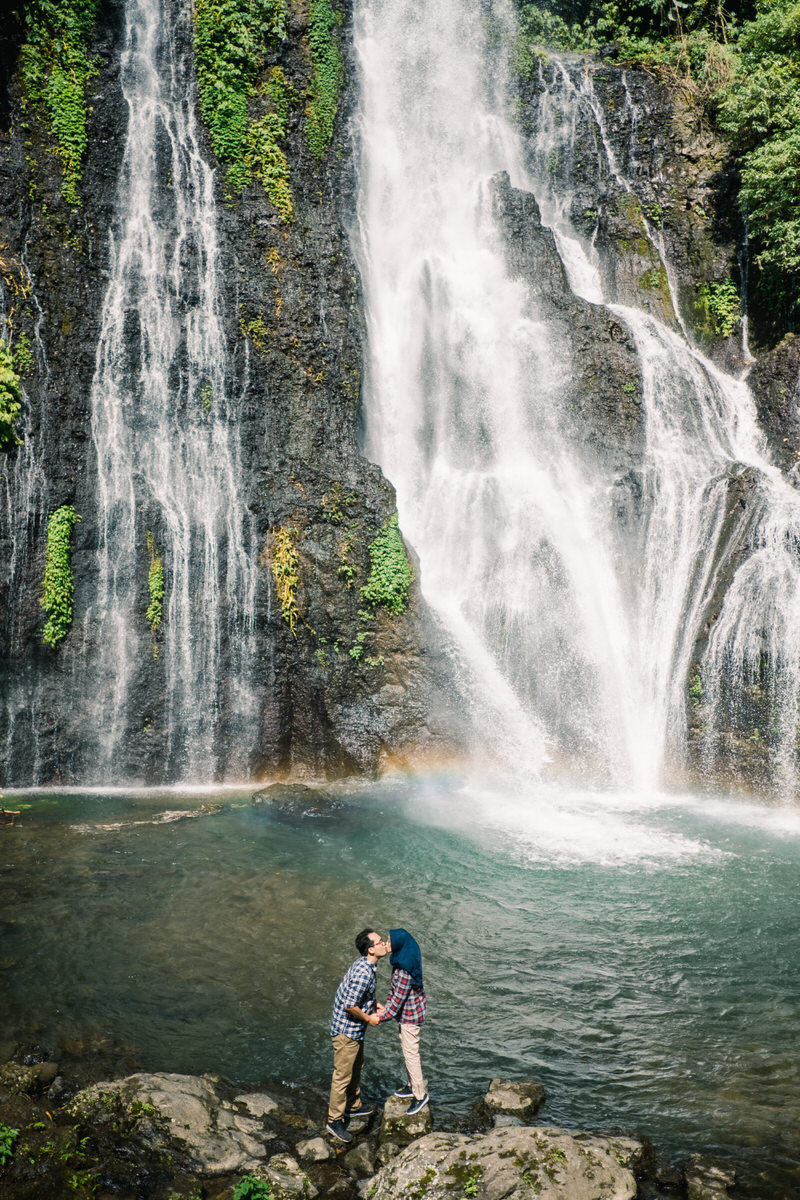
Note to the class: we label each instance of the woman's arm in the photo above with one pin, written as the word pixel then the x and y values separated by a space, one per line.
pixel 401 986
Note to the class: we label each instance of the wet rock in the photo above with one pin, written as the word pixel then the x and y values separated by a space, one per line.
pixel 361 1159
pixel 708 1178
pixel 287 1179
pixel 400 1129
pixel 16 1077
pixel 512 1164
pixel 506 1121
pixel 516 1098
pixel 258 1104
pixel 315 1150
pixel 183 1115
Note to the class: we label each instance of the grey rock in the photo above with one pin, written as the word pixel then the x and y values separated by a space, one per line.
pixel 398 1127
pixel 506 1121
pixel 361 1159
pixel 189 1118
pixel 708 1178
pixel 513 1164
pixel 315 1150
pixel 516 1098
pixel 287 1179
pixel 258 1104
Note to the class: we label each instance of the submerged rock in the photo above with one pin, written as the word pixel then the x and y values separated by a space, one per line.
pixel 708 1178
pixel 513 1164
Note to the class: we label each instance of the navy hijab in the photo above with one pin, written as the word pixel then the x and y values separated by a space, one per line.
pixel 406 954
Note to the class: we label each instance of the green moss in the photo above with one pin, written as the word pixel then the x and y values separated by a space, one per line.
pixel 326 78
pixel 58 585
pixel 256 330
pixel 10 406
pixel 231 38
pixel 56 67
pixel 390 574
pixel 23 355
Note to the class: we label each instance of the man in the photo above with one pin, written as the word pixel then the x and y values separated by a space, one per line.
pixel 353 1007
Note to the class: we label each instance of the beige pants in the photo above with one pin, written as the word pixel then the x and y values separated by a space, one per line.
pixel 348 1055
pixel 409 1042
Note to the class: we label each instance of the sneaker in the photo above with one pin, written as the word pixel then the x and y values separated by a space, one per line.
pixel 417 1106
pixel 338 1130
pixel 366 1110
pixel 405 1091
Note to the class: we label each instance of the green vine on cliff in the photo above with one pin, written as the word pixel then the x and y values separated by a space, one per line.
pixel 391 574
pixel 265 157
pixel 155 586
pixel 284 561
pixel 327 76
pixel 56 67
pixel 10 406
pixel 58 585
pixel 231 38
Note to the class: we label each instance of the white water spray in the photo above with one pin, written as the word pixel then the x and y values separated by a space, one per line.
pixel 580 639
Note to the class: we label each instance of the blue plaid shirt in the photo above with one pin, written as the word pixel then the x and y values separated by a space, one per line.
pixel 357 990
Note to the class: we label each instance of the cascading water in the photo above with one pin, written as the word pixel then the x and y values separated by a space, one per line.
pixel 165 431
pixel 581 632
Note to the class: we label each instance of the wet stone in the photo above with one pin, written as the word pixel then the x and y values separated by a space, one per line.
pixel 315 1150
pixel 708 1178
pixel 398 1127
pixel 516 1098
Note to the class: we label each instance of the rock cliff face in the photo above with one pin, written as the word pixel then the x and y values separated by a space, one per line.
pixel 293 327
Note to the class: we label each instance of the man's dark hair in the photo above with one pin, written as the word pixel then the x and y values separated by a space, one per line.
pixel 364 941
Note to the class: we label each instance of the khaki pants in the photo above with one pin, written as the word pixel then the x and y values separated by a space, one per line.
pixel 409 1042
pixel 348 1055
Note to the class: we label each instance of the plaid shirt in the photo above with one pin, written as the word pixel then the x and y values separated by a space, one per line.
pixel 405 1003
pixel 357 990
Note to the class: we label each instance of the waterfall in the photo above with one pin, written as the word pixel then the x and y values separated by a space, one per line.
pixel 164 424
pixel 578 628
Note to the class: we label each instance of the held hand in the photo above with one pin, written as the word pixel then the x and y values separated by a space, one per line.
pixel 380 1008
pixel 374 1019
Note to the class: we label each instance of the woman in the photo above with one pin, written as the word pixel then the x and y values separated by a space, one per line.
pixel 406 1005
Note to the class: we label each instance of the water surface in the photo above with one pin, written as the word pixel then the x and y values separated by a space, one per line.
pixel 638 955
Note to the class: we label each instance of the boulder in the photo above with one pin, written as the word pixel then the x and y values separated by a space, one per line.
pixel 515 1098
pixel 315 1150
pixel 287 1179
pixel 361 1160
pixel 396 1125
pixel 513 1164
pixel 182 1115
pixel 708 1178
pixel 258 1104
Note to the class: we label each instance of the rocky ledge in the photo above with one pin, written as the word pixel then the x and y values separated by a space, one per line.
pixel 184 1137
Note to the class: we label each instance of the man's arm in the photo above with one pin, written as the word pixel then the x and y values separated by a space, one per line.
pixel 358 1014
